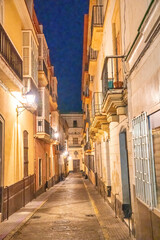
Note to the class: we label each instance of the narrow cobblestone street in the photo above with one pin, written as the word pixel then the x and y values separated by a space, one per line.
pixel 76 211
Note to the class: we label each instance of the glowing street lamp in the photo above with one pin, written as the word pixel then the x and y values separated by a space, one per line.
pixel 27 104
pixel 69 158
pixel 65 153
pixel 56 135
pixel 30 98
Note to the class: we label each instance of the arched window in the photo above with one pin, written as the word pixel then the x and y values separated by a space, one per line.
pixel 25 144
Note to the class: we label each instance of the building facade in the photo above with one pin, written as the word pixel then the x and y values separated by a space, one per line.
pixel 75 128
pixel 120 99
pixel 28 111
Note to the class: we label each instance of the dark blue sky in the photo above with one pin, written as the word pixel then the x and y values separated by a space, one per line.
pixel 63 27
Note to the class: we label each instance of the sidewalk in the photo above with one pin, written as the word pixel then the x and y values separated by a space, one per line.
pixel 18 219
pixel 113 228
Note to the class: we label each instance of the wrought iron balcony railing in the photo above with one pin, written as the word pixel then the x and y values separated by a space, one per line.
pixel 52 133
pixel 92 54
pixel 43 126
pixel 112 73
pixel 97 104
pixel 9 53
pixel 97 17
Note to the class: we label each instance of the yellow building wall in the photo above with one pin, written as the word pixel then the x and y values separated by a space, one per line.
pixel 14 127
pixel 13 24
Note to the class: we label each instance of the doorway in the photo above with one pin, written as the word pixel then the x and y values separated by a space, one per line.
pixel 126 201
pixel 76 165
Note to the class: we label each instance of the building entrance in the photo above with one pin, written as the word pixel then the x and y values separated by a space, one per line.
pixel 76 165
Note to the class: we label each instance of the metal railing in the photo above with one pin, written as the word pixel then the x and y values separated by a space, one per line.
pixel 97 17
pixel 97 104
pixel 42 67
pixel 86 92
pixel 43 126
pixel 10 54
pixel 92 54
pixel 112 73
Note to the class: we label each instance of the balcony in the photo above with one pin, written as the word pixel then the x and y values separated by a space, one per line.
pixel 10 63
pixel 42 129
pixel 112 88
pixel 92 61
pixel 42 73
pixel 97 27
pixel 53 100
pixel 87 147
pixel 98 119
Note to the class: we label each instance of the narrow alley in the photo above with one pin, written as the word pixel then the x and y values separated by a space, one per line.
pixel 74 210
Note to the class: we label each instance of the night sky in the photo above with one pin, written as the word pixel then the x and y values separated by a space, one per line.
pixel 63 28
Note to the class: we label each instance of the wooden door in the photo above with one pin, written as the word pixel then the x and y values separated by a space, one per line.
pixel 76 165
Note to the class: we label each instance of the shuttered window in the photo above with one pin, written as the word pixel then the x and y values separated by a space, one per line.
pixel 142 159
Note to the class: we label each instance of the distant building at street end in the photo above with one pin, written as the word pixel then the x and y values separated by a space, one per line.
pixel 75 129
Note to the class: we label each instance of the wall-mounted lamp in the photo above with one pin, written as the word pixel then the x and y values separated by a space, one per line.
pixel 56 135
pixel 65 153
pixel 28 101
pixel 69 158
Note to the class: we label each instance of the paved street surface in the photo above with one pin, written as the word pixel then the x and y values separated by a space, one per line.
pixel 75 211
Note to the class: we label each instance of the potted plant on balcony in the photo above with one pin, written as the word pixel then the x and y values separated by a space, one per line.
pixel 118 84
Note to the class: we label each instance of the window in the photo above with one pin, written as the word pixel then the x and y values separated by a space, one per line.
pixel 155 140
pixel 142 159
pixel 40 172
pixel 25 144
pixel 30 56
pixel 75 123
pixel 75 140
pixel 1 12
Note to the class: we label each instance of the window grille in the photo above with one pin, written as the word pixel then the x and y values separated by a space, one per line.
pixel 142 159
